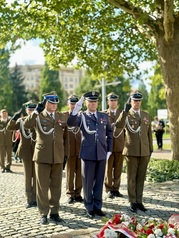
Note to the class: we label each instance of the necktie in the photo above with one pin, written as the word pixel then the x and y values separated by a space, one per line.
pixel 94 116
pixel 51 114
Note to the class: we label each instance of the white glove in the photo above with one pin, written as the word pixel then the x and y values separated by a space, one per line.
pixel 108 155
pixel 78 106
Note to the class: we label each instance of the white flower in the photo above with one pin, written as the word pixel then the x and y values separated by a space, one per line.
pixel 171 231
pixel 158 232
pixel 151 236
pixel 110 234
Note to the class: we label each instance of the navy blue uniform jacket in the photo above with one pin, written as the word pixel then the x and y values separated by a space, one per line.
pixel 93 146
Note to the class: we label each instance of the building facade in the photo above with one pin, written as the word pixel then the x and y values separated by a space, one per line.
pixel 68 76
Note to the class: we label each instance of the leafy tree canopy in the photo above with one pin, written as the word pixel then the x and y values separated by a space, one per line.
pixel 95 33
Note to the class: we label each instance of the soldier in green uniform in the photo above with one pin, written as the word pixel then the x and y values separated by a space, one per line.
pixel 138 147
pixel 5 142
pixel 25 151
pixel 50 148
pixel 115 162
pixel 73 165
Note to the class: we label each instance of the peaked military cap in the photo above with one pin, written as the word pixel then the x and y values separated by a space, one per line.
pixel 112 96
pixel 73 99
pixel 29 105
pixel 136 96
pixel 91 96
pixel 51 97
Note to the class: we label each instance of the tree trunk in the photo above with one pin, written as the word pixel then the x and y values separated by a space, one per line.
pixel 169 62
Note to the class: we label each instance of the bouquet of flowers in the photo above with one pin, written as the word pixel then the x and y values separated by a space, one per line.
pixel 122 225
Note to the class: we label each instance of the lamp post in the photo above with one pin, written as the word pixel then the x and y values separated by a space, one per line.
pixel 103 90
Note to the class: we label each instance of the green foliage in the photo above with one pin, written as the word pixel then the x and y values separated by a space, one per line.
pixel 5 83
pixel 100 36
pixel 162 170
pixel 143 90
pixel 157 99
pixel 19 94
pixel 50 82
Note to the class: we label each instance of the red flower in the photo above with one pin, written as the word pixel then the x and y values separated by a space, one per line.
pixel 171 225
pixel 149 231
pixel 151 226
pixel 161 226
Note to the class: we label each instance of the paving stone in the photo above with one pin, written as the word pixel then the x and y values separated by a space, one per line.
pixel 161 199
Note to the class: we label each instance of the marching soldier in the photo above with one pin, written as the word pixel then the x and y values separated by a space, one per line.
pixel 5 142
pixel 50 148
pixel 96 146
pixel 115 162
pixel 137 148
pixel 73 164
pixel 25 151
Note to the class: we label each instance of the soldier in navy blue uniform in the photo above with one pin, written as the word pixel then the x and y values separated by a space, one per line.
pixel 96 147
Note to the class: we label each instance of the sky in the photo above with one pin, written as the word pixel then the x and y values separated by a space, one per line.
pixel 28 54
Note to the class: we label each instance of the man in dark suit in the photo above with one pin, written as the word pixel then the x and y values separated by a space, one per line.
pixel 73 164
pixel 138 147
pixel 96 146
pixel 50 148
pixel 25 151
pixel 115 161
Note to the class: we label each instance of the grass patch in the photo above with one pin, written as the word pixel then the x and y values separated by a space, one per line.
pixel 165 146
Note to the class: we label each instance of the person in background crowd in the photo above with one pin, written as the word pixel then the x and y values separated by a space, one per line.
pixel 158 128
pixel 138 147
pixel 96 147
pixel 25 151
pixel 73 164
pixel 115 162
pixel 5 143
pixel 50 148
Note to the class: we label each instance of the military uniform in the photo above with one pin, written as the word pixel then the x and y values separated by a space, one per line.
pixel 5 145
pixel 50 148
pixel 73 165
pixel 25 152
pixel 96 142
pixel 138 147
pixel 115 163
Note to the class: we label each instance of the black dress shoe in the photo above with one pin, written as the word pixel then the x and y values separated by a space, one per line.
pixel 79 199
pixel 34 204
pixel 8 171
pixel 141 207
pixel 55 217
pixel 117 194
pixel 3 171
pixel 91 214
pixel 133 207
pixel 70 200
pixel 110 194
pixel 43 220
pixel 99 212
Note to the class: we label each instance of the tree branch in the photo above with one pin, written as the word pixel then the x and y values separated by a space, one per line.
pixel 168 22
pixel 153 24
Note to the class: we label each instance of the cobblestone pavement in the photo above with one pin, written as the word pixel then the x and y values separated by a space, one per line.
pixel 161 199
